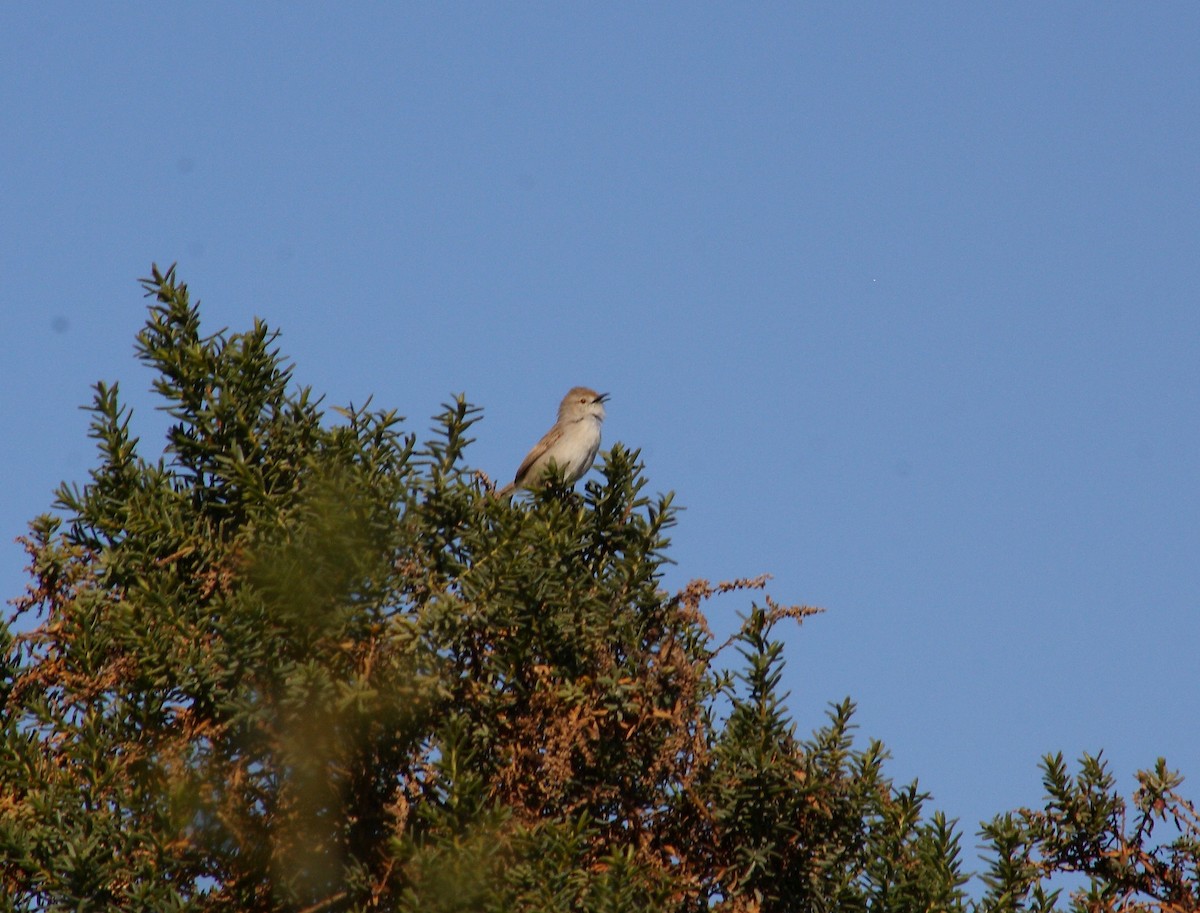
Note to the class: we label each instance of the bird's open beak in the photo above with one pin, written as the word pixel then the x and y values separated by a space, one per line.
pixel 602 398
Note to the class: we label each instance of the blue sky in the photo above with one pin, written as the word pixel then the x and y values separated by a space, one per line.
pixel 900 300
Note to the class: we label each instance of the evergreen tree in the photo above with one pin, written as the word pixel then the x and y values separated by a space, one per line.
pixel 307 663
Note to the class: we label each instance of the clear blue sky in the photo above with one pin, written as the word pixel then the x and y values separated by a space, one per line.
pixel 900 299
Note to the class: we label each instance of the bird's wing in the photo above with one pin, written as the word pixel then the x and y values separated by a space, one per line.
pixel 549 439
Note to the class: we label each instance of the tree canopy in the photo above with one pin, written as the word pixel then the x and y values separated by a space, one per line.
pixel 303 660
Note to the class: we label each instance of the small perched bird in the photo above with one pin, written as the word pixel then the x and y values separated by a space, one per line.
pixel 570 445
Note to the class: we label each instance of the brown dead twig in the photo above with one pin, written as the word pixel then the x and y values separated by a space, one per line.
pixel 690 598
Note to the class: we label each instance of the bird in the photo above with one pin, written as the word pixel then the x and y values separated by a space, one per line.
pixel 570 445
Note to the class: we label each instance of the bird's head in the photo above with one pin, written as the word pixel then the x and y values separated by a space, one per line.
pixel 582 402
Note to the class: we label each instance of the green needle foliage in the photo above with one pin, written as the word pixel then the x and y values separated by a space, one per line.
pixel 306 662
